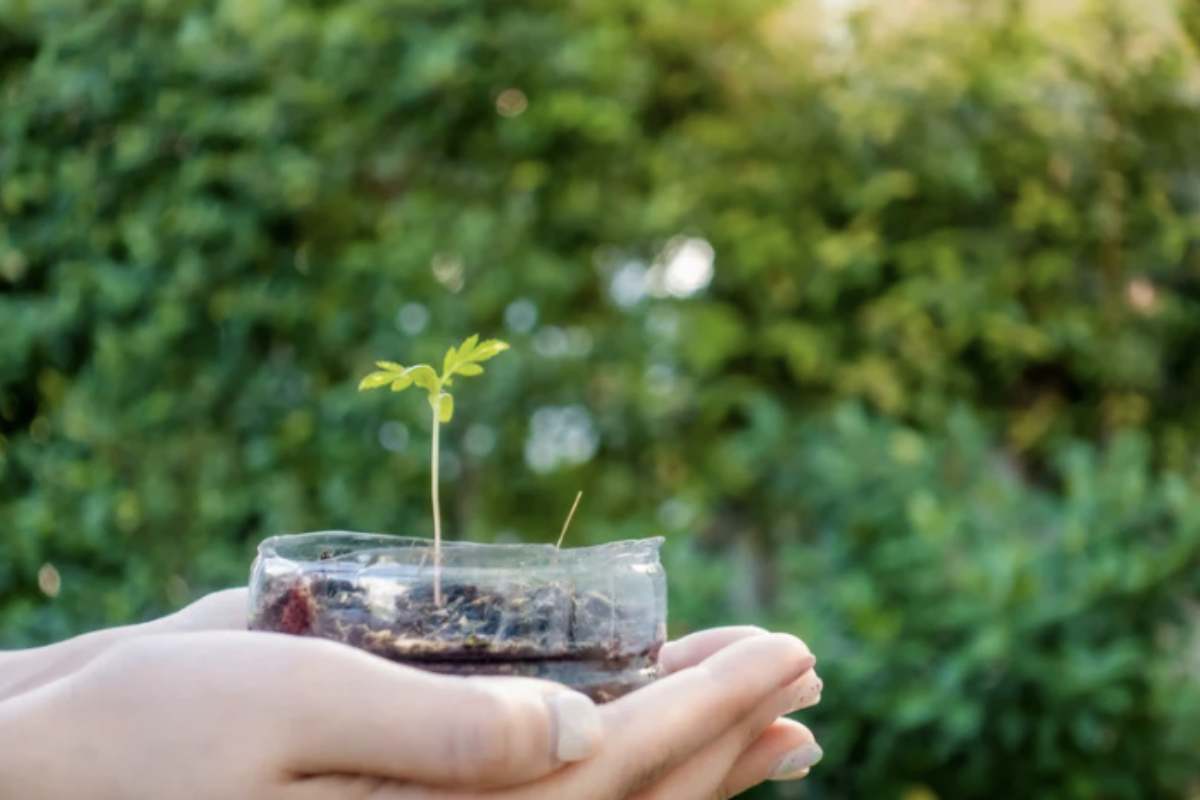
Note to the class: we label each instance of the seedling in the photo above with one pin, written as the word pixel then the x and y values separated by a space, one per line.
pixel 463 360
pixel 593 618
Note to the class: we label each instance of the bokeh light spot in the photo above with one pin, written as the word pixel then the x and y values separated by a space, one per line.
pixel 511 102
pixel 521 315
pixel 448 271
pixel 628 285
pixel 479 440
pixel 393 436
pixel 48 580
pixel 412 318
pixel 560 436
pixel 684 268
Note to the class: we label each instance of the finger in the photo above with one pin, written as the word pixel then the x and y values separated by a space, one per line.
pixel 26 670
pixel 786 751
pixel 663 724
pixel 347 712
pixel 346 787
pixel 224 610
pixel 694 648
pixel 807 690
pixel 741 755
pixel 746 754
pixel 220 611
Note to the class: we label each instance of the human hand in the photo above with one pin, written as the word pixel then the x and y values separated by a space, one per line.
pixel 254 715
pixel 710 728
pixel 747 752
pixel 25 670
pixel 259 715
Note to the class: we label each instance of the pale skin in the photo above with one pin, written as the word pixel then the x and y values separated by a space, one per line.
pixel 194 706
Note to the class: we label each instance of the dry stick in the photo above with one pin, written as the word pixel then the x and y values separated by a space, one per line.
pixel 437 519
pixel 570 516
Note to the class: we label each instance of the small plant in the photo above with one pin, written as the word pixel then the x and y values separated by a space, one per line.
pixel 463 360
pixel 593 618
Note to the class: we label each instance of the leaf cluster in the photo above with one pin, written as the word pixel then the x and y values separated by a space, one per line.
pixel 465 360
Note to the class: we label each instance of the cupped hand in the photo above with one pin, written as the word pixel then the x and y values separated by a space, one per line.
pixel 164 709
pixel 710 728
pixel 260 715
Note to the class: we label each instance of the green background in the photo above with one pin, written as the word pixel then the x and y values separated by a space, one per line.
pixel 936 411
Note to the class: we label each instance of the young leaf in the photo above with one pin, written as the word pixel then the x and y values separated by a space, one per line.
pixel 468 369
pixel 424 376
pixel 375 380
pixel 390 366
pixel 457 356
pixel 401 382
pixel 489 349
pixel 468 345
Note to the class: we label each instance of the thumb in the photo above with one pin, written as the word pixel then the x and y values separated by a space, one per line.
pixel 384 720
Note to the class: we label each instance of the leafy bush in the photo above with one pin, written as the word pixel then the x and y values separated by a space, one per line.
pixel 979 638
pixel 214 216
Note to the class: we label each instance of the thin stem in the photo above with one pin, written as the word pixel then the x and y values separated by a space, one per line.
pixel 437 518
pixel 570 516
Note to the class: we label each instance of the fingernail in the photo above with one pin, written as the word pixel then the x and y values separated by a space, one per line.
pixel 577 726
pixel 807 692
pixel 797 763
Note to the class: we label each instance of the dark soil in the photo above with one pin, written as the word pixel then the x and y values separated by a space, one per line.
pixel 543 631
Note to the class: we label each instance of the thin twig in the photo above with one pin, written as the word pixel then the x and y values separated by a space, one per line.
pixel 570 516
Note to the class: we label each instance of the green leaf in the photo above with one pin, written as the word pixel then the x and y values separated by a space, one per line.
pixel 424 376
pixel 375 380
pixel 461 360
pixel 468 346
pixel 457 356
pixel 489 349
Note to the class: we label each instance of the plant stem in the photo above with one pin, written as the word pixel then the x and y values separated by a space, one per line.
pixel 570 517
pixel 437 518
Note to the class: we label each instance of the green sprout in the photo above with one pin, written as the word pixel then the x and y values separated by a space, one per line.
pixel 462 360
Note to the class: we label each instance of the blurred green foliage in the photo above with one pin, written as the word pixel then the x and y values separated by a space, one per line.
pixel 935 412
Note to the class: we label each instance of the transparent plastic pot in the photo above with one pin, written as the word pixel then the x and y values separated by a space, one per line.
pixel 593 618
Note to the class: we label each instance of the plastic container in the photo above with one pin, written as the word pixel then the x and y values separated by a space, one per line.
pixel 593 618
